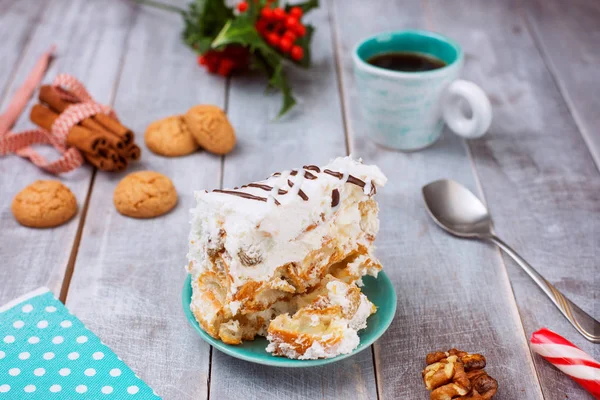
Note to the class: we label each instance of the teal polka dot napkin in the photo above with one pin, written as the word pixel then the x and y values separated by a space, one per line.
pixel 47 353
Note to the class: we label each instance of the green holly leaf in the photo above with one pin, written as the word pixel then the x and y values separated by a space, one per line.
pixel 305 6
pixel 203 21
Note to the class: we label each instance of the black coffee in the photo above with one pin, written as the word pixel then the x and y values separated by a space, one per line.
pixel 406 62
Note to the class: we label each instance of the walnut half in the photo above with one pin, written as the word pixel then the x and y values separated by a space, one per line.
pixel 456 374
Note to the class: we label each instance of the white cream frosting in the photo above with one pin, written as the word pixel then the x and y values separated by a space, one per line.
pixel 273 235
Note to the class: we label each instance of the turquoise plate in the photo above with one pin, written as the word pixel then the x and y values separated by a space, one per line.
pixel 379 290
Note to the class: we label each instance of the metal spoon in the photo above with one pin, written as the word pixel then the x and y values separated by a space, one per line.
pixel 458 211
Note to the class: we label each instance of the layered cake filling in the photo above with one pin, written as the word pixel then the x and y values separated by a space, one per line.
pixel 259 251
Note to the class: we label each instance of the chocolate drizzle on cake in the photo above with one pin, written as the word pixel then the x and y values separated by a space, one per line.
pixel 368 187
pixel 244 195
pixel 351 179
pixel 338 175
pixel 310 176
pixel 265 187
pixel 335 198
pixel 312 168
pixel 300 192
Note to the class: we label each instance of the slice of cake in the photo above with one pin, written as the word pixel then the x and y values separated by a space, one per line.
pixel 326 323
pixel 256 249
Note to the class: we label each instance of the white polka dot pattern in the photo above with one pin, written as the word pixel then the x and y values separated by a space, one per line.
pixel 52 356
pixel 82 339
pixel 29 388
pixel 81 389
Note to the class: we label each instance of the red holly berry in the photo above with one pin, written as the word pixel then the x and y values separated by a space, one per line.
pixel 261 26
pixel 285 44
pixel 273 39
pixel 225 67
pixel 291 23
pixel 242 6
pixel 296 12
pixel 297 53
pixel 300 30
pixel 266 13
pixel 212 67
pixel 290 35
pixel 201 60
pixel 278 14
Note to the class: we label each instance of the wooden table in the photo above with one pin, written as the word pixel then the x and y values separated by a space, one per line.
pixel 537 169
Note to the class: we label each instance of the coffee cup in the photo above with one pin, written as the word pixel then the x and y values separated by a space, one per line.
pixel 408 86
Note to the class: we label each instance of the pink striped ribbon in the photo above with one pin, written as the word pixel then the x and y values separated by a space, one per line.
pixel 568 358
pixel 20 143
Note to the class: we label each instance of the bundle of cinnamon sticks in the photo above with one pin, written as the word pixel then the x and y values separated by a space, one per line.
pixel 104 142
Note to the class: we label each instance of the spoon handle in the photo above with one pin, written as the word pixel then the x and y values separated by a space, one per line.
pixel 583 322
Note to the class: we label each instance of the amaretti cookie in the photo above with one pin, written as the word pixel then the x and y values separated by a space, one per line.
pixel 145 194
pixel 44 204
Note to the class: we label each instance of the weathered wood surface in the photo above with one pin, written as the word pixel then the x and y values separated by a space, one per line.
pixel 129 273
pixel 541 184
pixel 534 169
pixel 567 34
pixel 35 257
pixel 312 134
pixel 451 292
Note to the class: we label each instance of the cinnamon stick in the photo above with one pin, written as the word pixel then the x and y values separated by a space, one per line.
pixel 133 152
pixel 102 163
pixel 79 137
pixel 115 127
pixel 121 164
pixel 99 122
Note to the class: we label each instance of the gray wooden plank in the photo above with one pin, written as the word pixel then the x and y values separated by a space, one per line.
pixel 537 174
pixel 568 36
pixel 17 24
pixel 129 273
pixel 89 37
pixel 312 133
pixel 451 292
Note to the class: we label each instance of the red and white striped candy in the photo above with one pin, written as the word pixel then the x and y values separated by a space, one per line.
pixel 569 358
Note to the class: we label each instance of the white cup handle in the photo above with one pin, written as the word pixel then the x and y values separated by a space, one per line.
pixel 481 118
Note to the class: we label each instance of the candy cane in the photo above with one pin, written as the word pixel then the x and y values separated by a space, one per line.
pixel 568 358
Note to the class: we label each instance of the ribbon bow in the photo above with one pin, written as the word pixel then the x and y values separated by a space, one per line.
pixel 20 143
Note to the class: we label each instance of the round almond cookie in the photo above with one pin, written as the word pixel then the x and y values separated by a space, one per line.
pixel 170 137
pixel 211 128
pixel 44 204
pixel 144 194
